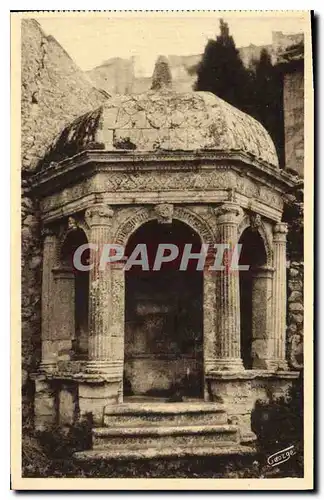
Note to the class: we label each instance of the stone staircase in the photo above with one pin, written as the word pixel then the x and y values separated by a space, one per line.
pixel 153 430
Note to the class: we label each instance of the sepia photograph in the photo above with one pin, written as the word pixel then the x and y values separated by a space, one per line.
pixel 162 185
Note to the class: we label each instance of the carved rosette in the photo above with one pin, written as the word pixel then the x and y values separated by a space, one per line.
pixel 72 224
pixel 98 215
pixel 255 222
pixel 164 213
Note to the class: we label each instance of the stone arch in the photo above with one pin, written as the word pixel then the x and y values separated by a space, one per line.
pixel 72 285
pixel 143 215
pixel 67 229
pixel 260 228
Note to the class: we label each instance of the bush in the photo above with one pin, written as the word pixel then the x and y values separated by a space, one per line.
pixel 278 424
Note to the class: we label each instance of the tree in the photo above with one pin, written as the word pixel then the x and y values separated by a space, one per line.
pixel 222 72
pixel 256 91
pixel 267 99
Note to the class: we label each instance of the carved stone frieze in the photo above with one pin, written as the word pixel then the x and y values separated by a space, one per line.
pixel 208 185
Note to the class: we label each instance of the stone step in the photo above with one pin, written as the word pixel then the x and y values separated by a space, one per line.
pixel 116 438
pixel 164 414
pixel 165 452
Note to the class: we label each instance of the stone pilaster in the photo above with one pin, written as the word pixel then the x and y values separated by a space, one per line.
pixel 49 354
pixel 262 317
pixel 228 344
pixel 98 218
pixel 279 294
pixel 64 311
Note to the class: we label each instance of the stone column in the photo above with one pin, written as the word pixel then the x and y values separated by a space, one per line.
pixel 117 321
pixel 262 334
pixel 209 309
pixel 50 248
pixel 279 294
pixel 228 342
pixel 98 218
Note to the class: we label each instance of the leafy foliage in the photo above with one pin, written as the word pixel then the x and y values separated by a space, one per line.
pixel 278 424
pixel 222 72
pixel 256 90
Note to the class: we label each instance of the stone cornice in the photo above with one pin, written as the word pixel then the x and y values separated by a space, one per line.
pixel 87 163
pixel 252 374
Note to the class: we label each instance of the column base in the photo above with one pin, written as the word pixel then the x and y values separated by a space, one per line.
pixel 270 364
pixel 47 367
pixel 227 364
pixel 93 397
pixel 112 368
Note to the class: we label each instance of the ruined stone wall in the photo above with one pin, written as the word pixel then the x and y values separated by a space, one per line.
pixel 294 120
pixel 54 92
pixel 295 322
pixel 294 216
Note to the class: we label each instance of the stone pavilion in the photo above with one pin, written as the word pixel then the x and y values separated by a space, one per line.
pixel 165 363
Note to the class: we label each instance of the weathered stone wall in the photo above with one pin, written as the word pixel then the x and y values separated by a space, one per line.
pixel 54 92
pixel 295 328
pixel 293 83
pixel 294 216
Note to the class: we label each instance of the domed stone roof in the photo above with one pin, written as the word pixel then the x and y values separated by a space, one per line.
pixel 165 121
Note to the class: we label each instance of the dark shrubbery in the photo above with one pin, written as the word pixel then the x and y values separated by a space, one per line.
pixel 49 453
pixel 278 424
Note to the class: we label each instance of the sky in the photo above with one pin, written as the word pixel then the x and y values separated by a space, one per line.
pixel 92 40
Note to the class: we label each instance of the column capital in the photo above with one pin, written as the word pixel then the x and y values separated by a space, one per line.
pixel 48 232
pixel 98 215
pixel 280 231
pixel 228 213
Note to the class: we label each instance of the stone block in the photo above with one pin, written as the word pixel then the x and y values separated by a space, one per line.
pixel 66 407
pixel 296 306
pixel 95 407
pixel 43 386
pixel 45 405
pixel 296 318
pixel 44 422
pixel 295 295
pixel 240 393
pixel 98 391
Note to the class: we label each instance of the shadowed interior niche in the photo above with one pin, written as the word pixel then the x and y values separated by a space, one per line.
pixel 79 290
pixel 164 319
pixel 254 255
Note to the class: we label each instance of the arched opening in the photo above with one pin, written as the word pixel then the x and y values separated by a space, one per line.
pixel 79 291
pixel 253 254
pixel 164 318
